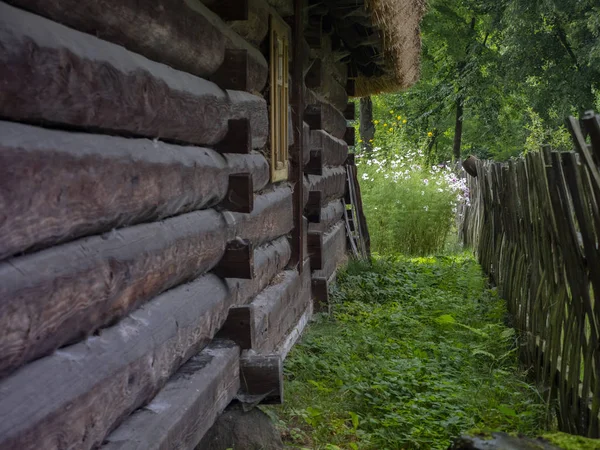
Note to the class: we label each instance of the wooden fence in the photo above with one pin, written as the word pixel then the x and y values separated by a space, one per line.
pixel 534 223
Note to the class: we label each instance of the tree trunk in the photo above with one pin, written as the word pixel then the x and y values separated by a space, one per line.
pixel 458 129
pixel 367 128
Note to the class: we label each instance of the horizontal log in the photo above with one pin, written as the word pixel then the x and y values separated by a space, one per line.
pixel 95 384
pixel 237 261
pixel 335 151
pixel 184 410
pixel 331 119
pixel 269 260
pixel 332 183
pixel 258 67
pixel 270 219
pixel 331 213
pixel 254 28
pixel 61 76
pixel 60 295
pixel 66 185
pixel 334 251
pixel 253 107
pixel 261 378
pixel 161 30
pixel 277 309
pixel 331 91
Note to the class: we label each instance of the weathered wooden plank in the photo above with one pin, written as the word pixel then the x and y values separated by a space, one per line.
pixel 93 183
pixel 331 213
pixel 73 398
pixel 60 295
pixel 164 31
pixel 335 151
pixel 332 183
pixel 272 217
pixel 334 251
pixel 183 411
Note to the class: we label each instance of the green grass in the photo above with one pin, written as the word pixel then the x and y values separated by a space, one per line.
pixel 414 353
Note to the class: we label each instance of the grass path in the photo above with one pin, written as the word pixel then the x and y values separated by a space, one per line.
pixel 414 352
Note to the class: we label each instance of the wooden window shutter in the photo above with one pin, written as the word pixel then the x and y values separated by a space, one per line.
pixel 279 76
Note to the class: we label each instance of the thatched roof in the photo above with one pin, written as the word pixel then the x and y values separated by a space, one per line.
pixel 398 22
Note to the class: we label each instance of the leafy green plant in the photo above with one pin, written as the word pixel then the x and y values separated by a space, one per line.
pixel 414 353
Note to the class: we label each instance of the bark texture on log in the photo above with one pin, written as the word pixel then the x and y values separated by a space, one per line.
pixel 161 30
pixel 184 410
pixel 96 383
pixel 61 76
pixel 78 184
pixel 332 183
pixel 331 213
pixel 335 151
pixel 334 251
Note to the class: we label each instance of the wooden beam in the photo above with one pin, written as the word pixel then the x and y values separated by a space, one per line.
pixel 314 76
pixel 350 111
pixel 320 293
pixel 313 206
pixel 350 136
pixel 331 213
pixel 95 183
pixel 230 9
pixel 238 326
pixel 184 410
pixel 237 261
pixel 315 163
pixel 238 138
pixel 234 71
pixel 351 87
pixel 330 120
pixel 271 217
pixel 335 151
pixel 313 117
pixel 244 105
pixel 333 251
pixel 332 183
pixel 117 372
pixel 315 250
pixel 261 379
pixel 240 195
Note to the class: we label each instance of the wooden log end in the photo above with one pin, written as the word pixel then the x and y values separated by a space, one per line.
pixel 231 9
pixel 350 111
pixel 313 117
pixel 313 206
pixel 238 138
pixel 238 326
pixel 351 87
pixel 261 379
pixel 315 163
pixel 350 160
pixel 315 250
pixel 350 136
pixel 237 261
pixel 240 193
pixel 233 74
pixel 314 77
pixel 320 294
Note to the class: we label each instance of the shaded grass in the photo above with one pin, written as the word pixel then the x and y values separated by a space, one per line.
pixel 414 353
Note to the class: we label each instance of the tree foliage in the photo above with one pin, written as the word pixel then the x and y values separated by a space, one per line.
pixel 516 68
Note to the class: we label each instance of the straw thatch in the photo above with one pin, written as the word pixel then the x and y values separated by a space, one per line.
pixel 398 22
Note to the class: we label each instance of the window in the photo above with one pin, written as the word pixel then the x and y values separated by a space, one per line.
pixel 279 73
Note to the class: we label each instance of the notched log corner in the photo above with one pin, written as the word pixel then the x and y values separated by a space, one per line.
pixel 240 193
pixel 237 262
pixel 238 138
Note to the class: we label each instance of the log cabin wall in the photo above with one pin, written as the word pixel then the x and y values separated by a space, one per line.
pixel 329 137
pixel 147 275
